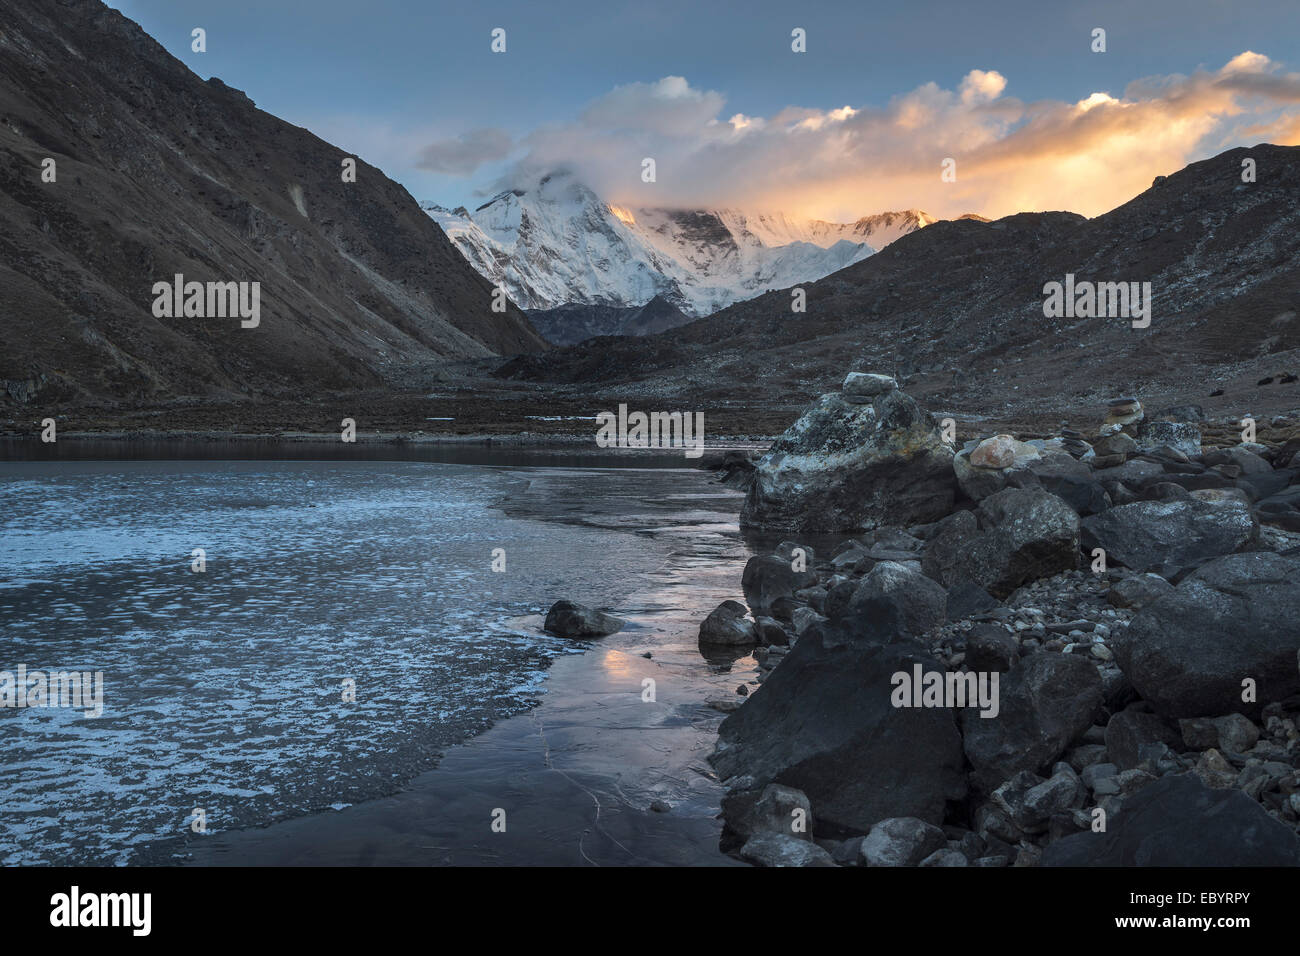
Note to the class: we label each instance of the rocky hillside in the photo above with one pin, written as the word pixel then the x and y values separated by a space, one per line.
pixel 157 172
pixel 570 324
pixel 956 309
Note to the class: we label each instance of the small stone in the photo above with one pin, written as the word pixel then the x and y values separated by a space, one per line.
pixel 868 384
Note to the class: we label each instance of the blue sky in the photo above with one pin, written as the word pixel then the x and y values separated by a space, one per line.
pixel 382 77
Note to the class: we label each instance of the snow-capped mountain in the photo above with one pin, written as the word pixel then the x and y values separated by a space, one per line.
pixel 558 243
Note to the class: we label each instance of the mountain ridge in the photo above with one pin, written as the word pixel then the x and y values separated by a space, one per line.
pixel 557 243
pixel 956 310
pixel 158 172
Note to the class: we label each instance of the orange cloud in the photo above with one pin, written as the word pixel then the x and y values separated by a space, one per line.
pixel 1087 156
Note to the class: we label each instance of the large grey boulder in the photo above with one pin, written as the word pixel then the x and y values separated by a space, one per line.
pixel 769 577
pixel 1015 536
pixel 921 601
pixel 853 465
pixel 781 849
pixel 1183 436
pixel 901 841
pixel 1178 821
pixel 727 625
pixel 823 723
pixel 1045 703
pixel 1148 535
pixel 1235 618
pixel 1069 479
pixel 771 809
pixel 577 620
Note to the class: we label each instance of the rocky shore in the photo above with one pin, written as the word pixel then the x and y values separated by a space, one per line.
pixel 1078 650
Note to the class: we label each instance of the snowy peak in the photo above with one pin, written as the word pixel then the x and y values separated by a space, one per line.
pixel 557 242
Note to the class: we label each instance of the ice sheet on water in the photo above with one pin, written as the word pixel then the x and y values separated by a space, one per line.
pixel 222 690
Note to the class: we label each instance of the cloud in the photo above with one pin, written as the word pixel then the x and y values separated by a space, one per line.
pixel 464 154
pixel 1088 156
pixel 981 87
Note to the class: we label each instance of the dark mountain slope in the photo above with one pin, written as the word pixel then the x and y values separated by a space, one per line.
pixel 576 322
pixel 958 307
pixel 159 172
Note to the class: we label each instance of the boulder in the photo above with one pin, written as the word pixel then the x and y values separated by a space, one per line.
pixel 772 809
pixel 1138 590
pixel 769 577
pixel 1070 480
pixel 1117 443
pixel 966 598
pixel 846 466
pixel 1234 733
pixel 991 648
pixel 901 841
pixel 867 384
pixel 1046 702
pixel 1148 535
pixel 823 723
pixel 945 857
pixel 1129 731
pixel 1234 618
pixel 780 849
pixel 921 602
pixel 1000 452
pixel 1183 436
pixel 1243 458
pixel 728 625
pixel 1015 536
pixel 988 467
pixel 577 620
pixel 1178 821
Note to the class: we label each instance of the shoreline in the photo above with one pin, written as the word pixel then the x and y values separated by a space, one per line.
pixel 594 774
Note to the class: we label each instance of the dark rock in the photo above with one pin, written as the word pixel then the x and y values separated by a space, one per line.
pixel 1235 618
pixel 773 809
pixel 727 624
pixel 576 620
pixel 1072 481
pixel 1117 443
pixel 1046 702
pixel 966 598
pixel 945 857
pixel 990 648
pixel 780 849
pixel 1130 730
pixel 1147 535
pixel 901 841
pixel 1138 590
pixel 921 602
pixel 1178 821
pixel 1015 536
pixel 769 577
pixel 823 723
pixel 770 632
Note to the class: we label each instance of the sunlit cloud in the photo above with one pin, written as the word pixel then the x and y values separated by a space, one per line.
pixel 1088 156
